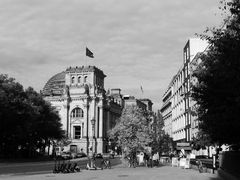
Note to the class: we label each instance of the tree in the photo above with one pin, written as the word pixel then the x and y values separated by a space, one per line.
pixel 162 142
pixel 13 112
pixel 217 91
pixel 27 122
pixel 47 125
pixel 132 132
pixel 201 141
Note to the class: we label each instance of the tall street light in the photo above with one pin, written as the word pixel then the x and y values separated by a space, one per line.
pixel 92 149
pixel 93 134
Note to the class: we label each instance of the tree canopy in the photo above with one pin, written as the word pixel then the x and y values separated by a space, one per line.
pixel 133 131
pixel 162 142
pixel 27 122
pixel 139 130
pixel 217 91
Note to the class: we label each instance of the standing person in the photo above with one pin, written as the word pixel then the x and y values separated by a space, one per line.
pixel 150 161
pixel 146 159
pixel 155 159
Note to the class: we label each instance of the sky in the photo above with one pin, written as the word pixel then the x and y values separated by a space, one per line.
pixel 135 42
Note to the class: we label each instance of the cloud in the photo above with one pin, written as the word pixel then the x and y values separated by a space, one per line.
pixel 135 42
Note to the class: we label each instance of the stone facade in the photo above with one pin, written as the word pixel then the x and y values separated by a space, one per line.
pixel 132 101
pixel 87 112
pixel 148 103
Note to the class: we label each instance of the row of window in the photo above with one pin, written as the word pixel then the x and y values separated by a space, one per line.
pixel 79 79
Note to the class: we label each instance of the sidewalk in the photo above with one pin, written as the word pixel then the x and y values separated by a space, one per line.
pixel 119 172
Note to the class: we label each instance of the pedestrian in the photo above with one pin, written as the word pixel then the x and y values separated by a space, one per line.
pixel 150 163
pixel 147 159
pixel 155 159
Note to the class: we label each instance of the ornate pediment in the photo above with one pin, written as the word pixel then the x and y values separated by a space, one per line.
pixel 76 121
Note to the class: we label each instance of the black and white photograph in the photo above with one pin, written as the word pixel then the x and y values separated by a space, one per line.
pixel 119 89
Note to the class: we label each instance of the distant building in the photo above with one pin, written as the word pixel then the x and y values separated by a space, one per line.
pixel 166 110
pixel 132 101
pixel 148 103
pixel 87 112
pixel 179 123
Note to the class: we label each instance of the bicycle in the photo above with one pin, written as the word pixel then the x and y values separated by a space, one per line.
pixel 201 166
pixel 106 164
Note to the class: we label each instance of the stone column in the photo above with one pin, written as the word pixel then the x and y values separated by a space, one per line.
pixel 67 107
pixel 97 123
pixel 100 138
pixel 86 125
pixel 101 121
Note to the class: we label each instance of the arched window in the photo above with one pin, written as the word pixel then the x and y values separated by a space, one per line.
pixel 79 79
pixel 85 79
pixel 77 113
pixel 73 80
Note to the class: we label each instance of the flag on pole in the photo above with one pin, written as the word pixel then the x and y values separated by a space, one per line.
pixel 89 53
pixel 141 89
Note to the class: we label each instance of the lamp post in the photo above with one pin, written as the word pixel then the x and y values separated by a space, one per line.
pixel 93 134
pixel 92 149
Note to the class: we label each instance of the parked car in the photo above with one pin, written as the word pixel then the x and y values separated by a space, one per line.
pixel 81 155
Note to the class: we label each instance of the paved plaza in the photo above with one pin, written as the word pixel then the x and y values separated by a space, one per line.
pixel 117 173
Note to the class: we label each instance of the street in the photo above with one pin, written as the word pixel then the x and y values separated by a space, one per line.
pixel 39 167
pixel 119 172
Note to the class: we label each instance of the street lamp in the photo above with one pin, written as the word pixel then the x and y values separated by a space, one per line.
pixel 92 148
pixel 93 133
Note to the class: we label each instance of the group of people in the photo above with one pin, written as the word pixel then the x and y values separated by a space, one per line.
pixel 98 162
pixel 151 160
pixel 145 159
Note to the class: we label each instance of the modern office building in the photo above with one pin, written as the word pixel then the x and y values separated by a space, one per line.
pixel 166 110
pixel 178 108
pixel 191 51
pixel 182 118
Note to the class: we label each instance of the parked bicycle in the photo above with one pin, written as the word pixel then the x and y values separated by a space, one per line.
pixel 63 167
pixel 201 166
pixel 106 164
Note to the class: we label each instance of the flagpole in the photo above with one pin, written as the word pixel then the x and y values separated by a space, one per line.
pixel 141 91
pixel 88 54
pixel 85 57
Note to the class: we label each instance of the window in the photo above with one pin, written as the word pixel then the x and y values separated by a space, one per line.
pixel 79 79
pixel 76 113
pixel 85 79
pixel 77 132
pixel 73 80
